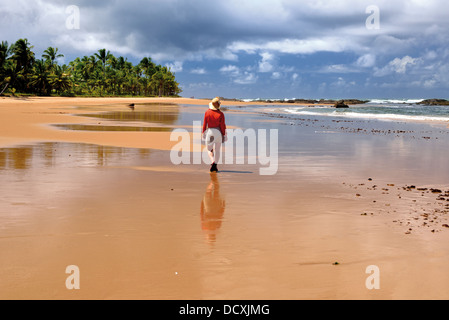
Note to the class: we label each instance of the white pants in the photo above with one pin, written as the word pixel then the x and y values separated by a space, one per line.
pixel 214 139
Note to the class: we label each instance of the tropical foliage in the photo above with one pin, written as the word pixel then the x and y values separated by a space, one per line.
pixel 97 75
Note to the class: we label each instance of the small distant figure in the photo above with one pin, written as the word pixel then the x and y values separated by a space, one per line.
pixel 131 106
pixel 214 132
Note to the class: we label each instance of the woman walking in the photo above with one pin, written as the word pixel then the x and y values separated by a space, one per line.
pixel 214 132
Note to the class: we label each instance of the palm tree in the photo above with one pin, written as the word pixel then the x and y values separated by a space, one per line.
pixel 22 54
pixel 60 80
pixel 11 74
pixel 158 81
pixel 103 56
pixel 149 68
pixel 121 63
pixel 88 68
pixel 95 74
pixel 24 57
pixel 40 78
pixel 171 87
pixel 4 53
pixel 84 66
pixel 5 50
pixel 50 55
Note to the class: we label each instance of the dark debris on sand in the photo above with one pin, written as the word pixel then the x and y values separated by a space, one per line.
pixel 427 208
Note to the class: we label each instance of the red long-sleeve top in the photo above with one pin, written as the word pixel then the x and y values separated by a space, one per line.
pixel 214 119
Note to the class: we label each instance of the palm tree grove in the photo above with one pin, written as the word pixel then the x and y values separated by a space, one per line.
pixel 101 74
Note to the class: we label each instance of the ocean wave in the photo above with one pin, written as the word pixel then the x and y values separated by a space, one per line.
pixel 395 101
pixel 372 101
pixel 375 116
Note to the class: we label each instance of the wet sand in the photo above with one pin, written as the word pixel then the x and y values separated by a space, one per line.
pixel 138 227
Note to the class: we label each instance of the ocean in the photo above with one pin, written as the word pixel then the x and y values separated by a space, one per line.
pixel 376 109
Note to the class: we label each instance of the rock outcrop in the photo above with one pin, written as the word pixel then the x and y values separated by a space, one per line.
pixel 341 104
pixel 435 102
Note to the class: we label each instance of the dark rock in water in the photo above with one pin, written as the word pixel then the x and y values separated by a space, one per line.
pixel 305 101
pixel 131 106
pixel 341 104
pixel 435 102
pixel 355 101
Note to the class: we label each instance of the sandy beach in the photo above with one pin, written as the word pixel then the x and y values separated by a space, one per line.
pixel 101 193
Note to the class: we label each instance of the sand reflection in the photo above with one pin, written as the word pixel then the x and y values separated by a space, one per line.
pixel 53 154
pixel 16 158
pixel 212 209
pixel 89 127
pixel 152 116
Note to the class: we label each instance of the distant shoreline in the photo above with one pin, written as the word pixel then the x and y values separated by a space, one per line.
pixel 351 101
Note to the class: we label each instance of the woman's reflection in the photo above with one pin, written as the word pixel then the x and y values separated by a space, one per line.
pixel 212 209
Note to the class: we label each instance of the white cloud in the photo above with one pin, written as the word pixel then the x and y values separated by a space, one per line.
pixel 297 46
pixel 398 65
pixel 430 55
pixel 265 65
pixel 200 85
pixel 239 76
pixel 286 69
pixel 411 42
pixel 429 83
pixel 231 69
pixel 176 66
pixel 338 68
pixel 198 71
pixel 366 61
pixel 363 62
pixel 342 83
pixel 390 44
pixel 246 78
pixel 276 75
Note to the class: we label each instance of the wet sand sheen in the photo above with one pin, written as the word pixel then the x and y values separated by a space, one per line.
pixel 201 240
pixel 167 243
pixel 140 228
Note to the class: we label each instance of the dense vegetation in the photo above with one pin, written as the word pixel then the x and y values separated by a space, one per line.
pixel 97 75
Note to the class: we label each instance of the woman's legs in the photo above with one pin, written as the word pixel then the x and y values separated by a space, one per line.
pixel 216 152
pixel 213 143
pixel 215 156
pixel 211 156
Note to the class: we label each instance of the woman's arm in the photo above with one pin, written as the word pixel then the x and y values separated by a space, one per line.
pixel 205 122
pixel 223 127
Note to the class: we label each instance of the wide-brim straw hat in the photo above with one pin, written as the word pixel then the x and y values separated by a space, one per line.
pixel 215 103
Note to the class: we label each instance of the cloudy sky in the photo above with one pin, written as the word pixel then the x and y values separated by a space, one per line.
pixel 256 48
